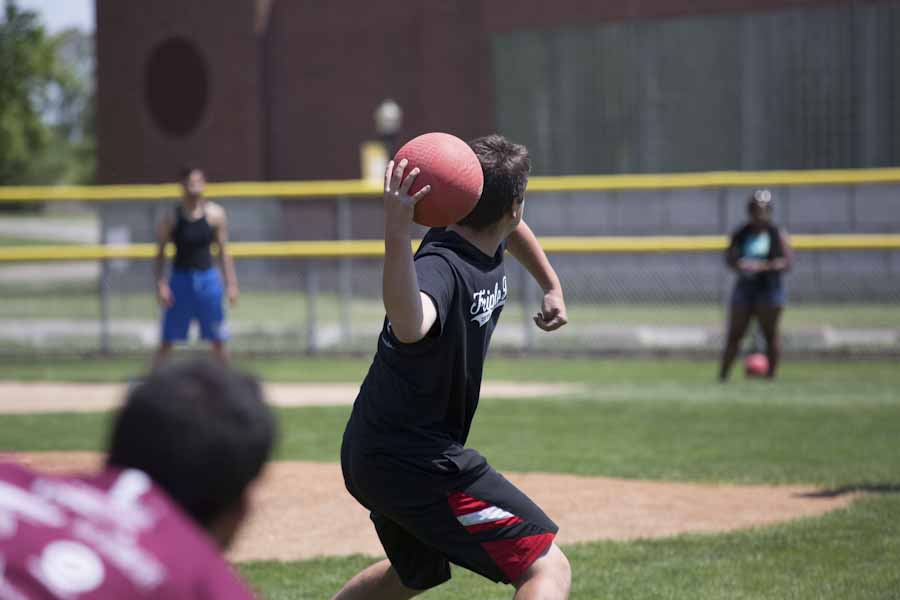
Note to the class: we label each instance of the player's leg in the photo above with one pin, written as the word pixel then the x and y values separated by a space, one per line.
pixel 219 350
pixel 500 533
pixel 162 354
pixel 454 508
pixel 210 312
pixel 376 582
pixel 769 318
pixel 176 319
pixel 411 567
pixel 738 321
pixel 548 578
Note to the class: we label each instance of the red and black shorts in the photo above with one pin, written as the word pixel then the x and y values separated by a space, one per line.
pixel 452 509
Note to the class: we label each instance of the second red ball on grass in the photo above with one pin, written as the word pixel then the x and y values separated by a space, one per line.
pixel 756 365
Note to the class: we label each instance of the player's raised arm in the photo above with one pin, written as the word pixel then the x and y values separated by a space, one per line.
pixel 410 312
pixel 524 246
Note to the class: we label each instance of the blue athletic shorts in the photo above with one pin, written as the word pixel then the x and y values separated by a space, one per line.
pixel 768 291
pixel 197 295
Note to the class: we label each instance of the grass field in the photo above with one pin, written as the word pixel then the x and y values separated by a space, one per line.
pixel 833 425
pixel 847 554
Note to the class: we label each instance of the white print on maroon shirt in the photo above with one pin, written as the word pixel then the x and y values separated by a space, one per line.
pixel 485 301
pixel 103 524
pixel 17 503
pixel 68 568
pixel 7 590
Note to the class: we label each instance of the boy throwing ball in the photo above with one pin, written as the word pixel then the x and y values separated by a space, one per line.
pixel 432 500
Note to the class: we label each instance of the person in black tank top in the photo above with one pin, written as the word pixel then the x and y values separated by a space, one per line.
pixel 194 289
pixel 759 253
pixel 192 239
pixel 433 500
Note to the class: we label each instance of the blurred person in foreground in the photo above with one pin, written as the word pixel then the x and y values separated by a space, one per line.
pixel 152 523
pixel 432 500
pixel 194 290
pixel 760 253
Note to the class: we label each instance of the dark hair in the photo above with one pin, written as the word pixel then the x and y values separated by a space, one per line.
pixel 185 171
pixel 200 430
pixel 761 198
pixel 506 166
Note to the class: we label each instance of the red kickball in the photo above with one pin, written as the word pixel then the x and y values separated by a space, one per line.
pixel 452 170
pixel 756 365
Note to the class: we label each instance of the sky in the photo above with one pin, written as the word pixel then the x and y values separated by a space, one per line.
pixel 60 14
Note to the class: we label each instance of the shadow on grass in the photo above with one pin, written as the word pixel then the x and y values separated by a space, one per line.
pixel 859 488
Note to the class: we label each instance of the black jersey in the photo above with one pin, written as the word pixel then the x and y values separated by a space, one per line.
pixel 764 244
pixel 421 397
pixel 192 240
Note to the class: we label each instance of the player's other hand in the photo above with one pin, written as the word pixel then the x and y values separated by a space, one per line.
pixel 398 203
pixel 553 313
pixel 164 295
pixel 232 292
pixel 778 264
pixel 752 265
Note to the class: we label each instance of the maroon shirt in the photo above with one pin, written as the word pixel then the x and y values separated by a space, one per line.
pixel 113 535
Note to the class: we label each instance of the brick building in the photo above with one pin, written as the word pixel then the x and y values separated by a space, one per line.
pixel 285 89
pixel 281 89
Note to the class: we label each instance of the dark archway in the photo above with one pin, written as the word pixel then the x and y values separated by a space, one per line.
pixel 176 86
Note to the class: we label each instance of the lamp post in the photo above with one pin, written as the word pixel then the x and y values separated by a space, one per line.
pixel 388 121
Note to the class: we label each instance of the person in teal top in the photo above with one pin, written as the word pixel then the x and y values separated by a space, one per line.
pixel 759 253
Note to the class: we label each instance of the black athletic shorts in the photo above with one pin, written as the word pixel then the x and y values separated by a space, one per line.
pixel 453 508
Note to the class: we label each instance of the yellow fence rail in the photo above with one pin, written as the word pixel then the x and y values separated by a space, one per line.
pixel 375 248
pixel 357 188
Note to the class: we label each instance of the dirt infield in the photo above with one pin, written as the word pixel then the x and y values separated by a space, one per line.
pixel 303 511
pixel 21 397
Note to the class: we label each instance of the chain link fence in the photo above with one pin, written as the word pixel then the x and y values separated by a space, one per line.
pixel 805 87
pixel 619 302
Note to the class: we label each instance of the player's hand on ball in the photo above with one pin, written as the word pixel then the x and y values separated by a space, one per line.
pixel 164 295
pixel 553 313
pixel 399 205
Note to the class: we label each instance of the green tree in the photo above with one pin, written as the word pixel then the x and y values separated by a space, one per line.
pixel 47 131
pixel 67 107
pixel 27 67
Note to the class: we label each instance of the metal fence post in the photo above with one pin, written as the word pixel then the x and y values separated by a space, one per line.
pixel 103 291
pixel 312 290
pixel 345 268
